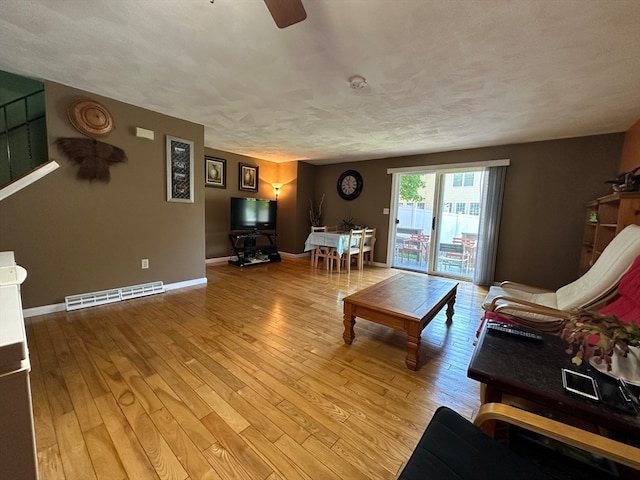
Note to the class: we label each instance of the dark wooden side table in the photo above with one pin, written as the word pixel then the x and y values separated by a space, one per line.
pixel 531 371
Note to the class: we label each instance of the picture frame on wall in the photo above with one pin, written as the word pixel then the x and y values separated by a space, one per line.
pixel 215 172
pixel 248 177
pixel 179 170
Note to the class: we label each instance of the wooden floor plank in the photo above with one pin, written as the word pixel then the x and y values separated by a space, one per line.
pixel 233 443
pixel 104 455
pixel 73 449
pixel 245 377
pixel 130 452
pixel 285 468
pixel 187 452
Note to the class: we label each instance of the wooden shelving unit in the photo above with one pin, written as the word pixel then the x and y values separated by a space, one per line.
pixel 604 219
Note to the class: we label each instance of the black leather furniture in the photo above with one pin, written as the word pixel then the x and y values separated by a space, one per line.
pixel 454 448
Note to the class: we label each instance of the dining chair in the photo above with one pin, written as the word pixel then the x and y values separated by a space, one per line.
pixel 417 244
pixel 368 243
pixel 315 251
pixel 453 254
pixel 329 254
pixel 356 238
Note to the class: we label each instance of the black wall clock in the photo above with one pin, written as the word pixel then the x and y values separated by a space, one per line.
pixel 350 185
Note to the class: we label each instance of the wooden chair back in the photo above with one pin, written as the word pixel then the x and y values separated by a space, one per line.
pixel 328 254
pixel 356 240
pixel 368 243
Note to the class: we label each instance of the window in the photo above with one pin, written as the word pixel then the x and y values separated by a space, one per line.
pixel 421 205
pixel 474 208
pixel 468 179
pixel 463 179
pixel 447 207
pixel 461 207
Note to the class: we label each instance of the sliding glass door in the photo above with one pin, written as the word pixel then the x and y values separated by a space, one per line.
pixel 457 223
pixel 414 218
pixel 437 219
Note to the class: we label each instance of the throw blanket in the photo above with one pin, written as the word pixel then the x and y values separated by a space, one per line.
pixel 627 305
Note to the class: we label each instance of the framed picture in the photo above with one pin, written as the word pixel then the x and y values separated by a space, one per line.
pixel 179 170
pixel 215 172
pixel 248 177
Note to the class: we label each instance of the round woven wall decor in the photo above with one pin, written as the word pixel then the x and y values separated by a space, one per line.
pixel 90 118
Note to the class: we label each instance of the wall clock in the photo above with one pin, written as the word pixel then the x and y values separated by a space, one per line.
pixel 350 185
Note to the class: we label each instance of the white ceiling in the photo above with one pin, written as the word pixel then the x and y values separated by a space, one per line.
pixel 442 74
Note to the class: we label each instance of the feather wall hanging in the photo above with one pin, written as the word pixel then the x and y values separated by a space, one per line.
pixel 92 156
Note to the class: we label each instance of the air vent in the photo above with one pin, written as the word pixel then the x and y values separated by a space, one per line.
pixel 141 290
pixel 84 300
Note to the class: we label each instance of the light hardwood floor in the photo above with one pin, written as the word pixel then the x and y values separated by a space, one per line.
pixel 247 377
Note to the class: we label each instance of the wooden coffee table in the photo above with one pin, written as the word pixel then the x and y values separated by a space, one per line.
pixel 404 302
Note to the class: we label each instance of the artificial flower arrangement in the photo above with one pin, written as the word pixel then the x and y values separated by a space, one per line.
pixel 597 337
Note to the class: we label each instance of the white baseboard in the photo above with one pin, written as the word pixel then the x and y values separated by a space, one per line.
pixel 217 260
pixel 186 283
pixel 282 254
pixel 295 255
pixel 45 309
pixel 60 307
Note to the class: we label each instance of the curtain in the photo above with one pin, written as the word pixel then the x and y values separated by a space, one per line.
pixel 487 247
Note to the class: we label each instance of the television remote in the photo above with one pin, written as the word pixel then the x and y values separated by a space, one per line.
pixel 500 328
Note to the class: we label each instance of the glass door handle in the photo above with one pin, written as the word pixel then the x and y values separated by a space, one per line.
pixel 433 223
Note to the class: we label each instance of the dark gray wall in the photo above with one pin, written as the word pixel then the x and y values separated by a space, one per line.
pixel 547 187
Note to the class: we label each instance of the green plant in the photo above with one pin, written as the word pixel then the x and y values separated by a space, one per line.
pixel 347 224
pixel 591 335
pixel 410 186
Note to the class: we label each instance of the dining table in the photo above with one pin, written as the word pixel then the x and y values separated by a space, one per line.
pixel 334 240
pixel 337 240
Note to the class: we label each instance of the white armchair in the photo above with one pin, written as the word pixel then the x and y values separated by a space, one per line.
pixel 546 309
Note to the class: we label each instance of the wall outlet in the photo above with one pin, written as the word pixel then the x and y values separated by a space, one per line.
pixel 385 211
pixel 145 263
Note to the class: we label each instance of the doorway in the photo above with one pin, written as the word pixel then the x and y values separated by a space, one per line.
pixel 437 221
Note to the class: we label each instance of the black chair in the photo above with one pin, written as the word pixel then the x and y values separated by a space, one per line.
pixel 454 448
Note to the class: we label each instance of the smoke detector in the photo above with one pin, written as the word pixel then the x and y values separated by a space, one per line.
pixel 358 82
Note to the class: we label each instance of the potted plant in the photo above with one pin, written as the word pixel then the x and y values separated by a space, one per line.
pixel 347 224
pixel 609 344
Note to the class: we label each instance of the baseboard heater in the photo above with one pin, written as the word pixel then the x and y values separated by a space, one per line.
pixel 84 300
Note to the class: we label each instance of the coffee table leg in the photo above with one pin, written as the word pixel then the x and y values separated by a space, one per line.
pixel 349 322
pixel 413 345
pixel 450 310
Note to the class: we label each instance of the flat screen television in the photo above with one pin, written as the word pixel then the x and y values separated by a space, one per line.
pixel 253 214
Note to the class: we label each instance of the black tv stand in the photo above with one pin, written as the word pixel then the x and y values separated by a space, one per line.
pixel 253 248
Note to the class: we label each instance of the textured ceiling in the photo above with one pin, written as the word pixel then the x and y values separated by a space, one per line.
pixel 442 74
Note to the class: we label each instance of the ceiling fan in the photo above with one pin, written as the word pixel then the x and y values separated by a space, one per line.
pixel 286 12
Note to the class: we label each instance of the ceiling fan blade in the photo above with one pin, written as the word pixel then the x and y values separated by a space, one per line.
pixel 286 12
